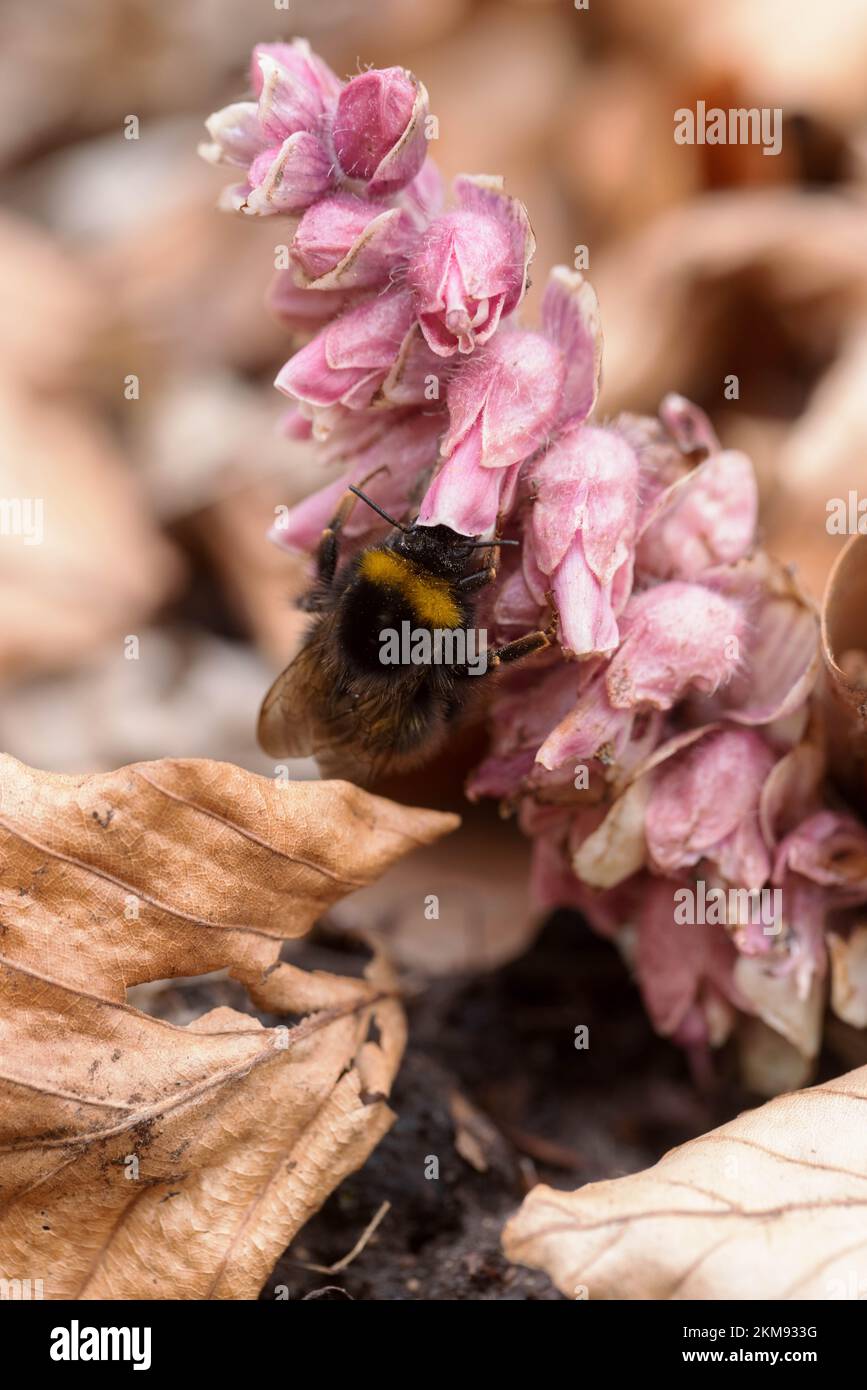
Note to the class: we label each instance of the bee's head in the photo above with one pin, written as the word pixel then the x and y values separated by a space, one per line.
pixel 438 549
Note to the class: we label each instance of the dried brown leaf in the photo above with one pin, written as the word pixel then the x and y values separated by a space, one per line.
pixel 143 1160
pixel 770 1206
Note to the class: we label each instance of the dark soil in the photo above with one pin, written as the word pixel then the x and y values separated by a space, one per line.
pixel 546 1111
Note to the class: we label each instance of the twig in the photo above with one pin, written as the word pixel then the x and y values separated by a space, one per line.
pixel 356 1249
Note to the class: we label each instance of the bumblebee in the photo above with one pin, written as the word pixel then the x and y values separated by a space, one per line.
pixel 362 718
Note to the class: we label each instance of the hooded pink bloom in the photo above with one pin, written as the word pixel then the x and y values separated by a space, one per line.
pixel 675 637
pixel 278 137
pixel 585 490
pixel 307 133
pixel 780 648
pixel 378 132
pixel 830 849
pixel 706 518
pixel 470 267
pixel 704 804
pixel 371 354
pixel 505 403
pixel 344 242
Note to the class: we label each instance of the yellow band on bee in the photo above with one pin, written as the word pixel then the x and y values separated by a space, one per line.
pixel 430 598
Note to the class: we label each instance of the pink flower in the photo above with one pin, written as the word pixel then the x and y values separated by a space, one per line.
pixel 293 84
pixel 585 490
pixel 343 242
pixel 307 133
pixel 470 266
pixel 278 138
pixel 361 358
pixel 506 402
pixel 378 133
pixel 706 518
pixel 704 804
pixel 675 638
pixel 830 849
pixel 779 650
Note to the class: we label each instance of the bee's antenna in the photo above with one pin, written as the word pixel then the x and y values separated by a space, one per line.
pixel 476 544
pixel 376 508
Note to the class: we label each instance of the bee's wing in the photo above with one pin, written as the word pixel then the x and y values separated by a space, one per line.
pixel 286 726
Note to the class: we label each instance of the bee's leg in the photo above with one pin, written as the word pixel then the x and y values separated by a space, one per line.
pixel 479 579
pixel 326 553
pixel 521 647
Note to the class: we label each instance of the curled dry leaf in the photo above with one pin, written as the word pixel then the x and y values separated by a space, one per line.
pixel 770 1206
pixel 143 1160
pixel 844 647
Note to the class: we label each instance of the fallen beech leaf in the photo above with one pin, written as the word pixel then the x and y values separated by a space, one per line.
pixel 143 1160
pixel 770 1206
pixel 844 644
pixel 460 908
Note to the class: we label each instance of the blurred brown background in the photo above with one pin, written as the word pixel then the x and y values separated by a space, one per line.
pixel 709 261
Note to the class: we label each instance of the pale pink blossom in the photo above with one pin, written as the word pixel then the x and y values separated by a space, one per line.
pixel 469 268
pixel 344 242
pixel 704 805
pixel 585 497
pixel 378 132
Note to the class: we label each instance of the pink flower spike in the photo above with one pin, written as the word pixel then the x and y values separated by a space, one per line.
pixel 343 242
pixel 470 267
pixel 704 804
pixel 706 518
pixel 676 637
pixel 583 529
pixel 570 317
pixel 379 130
pixel 290 177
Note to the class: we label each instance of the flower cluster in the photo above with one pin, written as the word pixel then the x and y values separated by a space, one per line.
pixel 666 754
